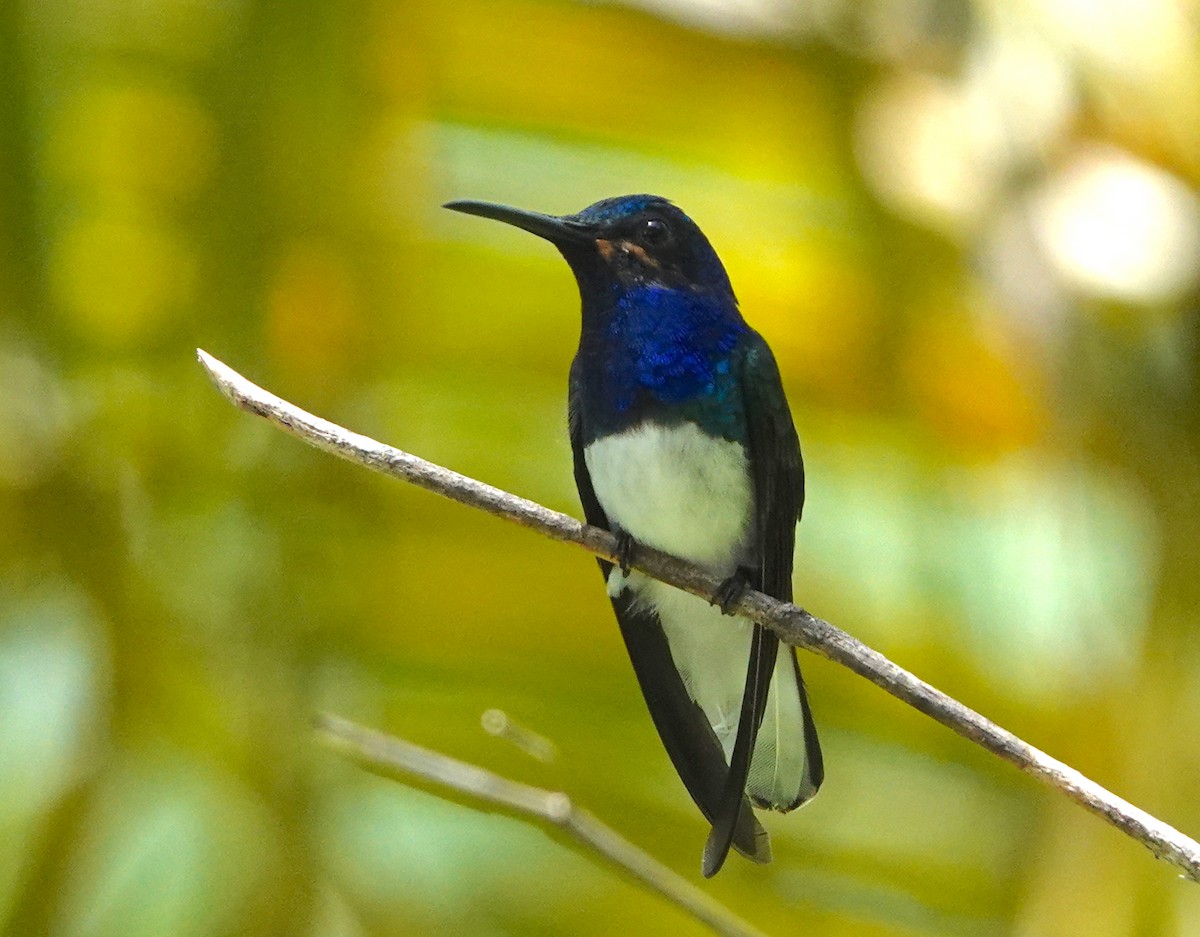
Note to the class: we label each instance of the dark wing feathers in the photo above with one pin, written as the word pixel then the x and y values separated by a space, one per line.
pixel 592 512
pixel 778 474
pixel 775 465
pixel 778 471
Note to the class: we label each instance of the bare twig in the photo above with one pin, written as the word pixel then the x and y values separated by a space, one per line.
pixel 793 625
pixel 395 758
pixel 498 723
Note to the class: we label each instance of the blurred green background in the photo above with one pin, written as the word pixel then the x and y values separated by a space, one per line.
pixel 971 232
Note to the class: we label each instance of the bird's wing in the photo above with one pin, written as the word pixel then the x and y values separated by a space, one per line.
pixel 778 470
pixel 773 450
pixel 592 512
pixel 775 464
pixel 686 734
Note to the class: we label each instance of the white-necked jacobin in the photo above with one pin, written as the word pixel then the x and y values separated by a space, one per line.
pixel 683 441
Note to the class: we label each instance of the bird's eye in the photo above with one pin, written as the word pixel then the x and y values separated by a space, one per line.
pixel 654 232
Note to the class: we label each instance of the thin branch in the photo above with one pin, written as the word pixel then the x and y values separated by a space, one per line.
pixel 498 723
pixel 793 625
pixel 400 760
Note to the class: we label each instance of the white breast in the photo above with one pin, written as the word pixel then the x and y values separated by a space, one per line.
pixel 678 489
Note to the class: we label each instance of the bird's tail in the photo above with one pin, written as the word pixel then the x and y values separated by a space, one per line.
pixel 688 737
pixel 787 768
pixel 764 648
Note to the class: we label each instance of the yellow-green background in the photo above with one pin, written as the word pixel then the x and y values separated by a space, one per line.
pixel 993 368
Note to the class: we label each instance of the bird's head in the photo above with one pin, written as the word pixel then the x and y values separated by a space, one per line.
pixel 623 243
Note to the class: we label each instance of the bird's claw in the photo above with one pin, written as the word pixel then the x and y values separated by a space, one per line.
pixel 625 548
pixel 730 591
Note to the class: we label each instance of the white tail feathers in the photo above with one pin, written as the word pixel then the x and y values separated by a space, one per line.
pixel 780 777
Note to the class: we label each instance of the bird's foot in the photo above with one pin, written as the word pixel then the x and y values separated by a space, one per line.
pixel 731 590
pixel 626 546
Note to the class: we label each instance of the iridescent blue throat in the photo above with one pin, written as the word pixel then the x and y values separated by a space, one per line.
pixel 666 354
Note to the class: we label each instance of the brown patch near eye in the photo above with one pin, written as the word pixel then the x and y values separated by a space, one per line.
pixel 640 253
pixel 609 249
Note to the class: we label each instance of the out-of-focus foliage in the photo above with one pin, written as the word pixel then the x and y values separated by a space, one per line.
pixel 969 229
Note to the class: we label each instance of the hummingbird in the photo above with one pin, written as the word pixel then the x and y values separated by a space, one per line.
pixel 683 441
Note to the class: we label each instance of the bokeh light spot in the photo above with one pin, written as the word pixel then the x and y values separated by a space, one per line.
pixel 312 308
pixel 117 278
pixel 1119 227
pixel 34 416
pixel 132 138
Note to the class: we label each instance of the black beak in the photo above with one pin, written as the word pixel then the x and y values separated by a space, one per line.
pixel 559 231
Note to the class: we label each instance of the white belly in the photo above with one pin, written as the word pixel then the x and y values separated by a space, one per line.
pixel 677 489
